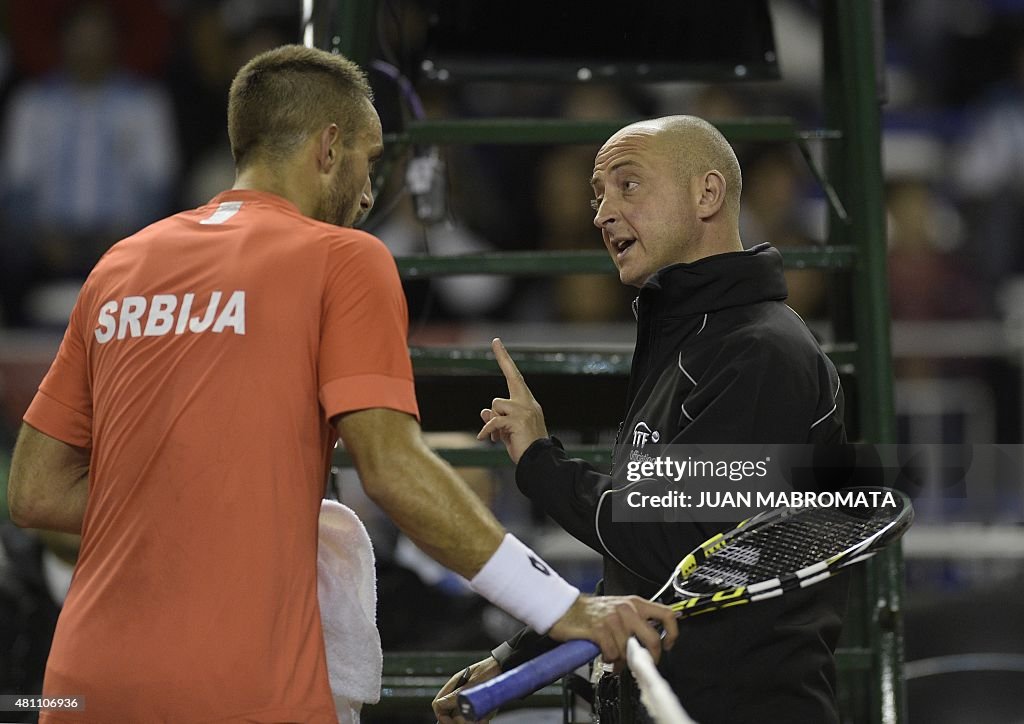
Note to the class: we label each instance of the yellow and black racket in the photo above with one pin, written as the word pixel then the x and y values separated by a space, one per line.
pixel 784 549
pixel 776 551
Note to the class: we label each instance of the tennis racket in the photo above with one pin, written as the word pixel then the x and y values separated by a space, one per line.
pixel 778 550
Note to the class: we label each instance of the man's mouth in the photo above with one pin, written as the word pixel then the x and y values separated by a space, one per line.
pixel 622 246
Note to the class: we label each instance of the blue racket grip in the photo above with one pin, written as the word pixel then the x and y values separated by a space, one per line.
pixel 479 701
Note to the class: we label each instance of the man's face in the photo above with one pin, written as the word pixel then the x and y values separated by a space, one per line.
pixel 644 209
pixel 348 195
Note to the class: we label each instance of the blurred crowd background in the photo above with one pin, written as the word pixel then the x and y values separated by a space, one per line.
pixel 113 114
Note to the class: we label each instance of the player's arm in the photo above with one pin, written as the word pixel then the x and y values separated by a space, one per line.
pixel 436 509
pixel 418 490
pixel 49 482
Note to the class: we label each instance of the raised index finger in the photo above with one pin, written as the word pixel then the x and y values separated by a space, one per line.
pixel 516 384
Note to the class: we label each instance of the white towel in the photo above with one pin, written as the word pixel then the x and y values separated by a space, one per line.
pixel 347 587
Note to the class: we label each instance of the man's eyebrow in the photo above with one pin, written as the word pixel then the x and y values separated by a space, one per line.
pixel 614 167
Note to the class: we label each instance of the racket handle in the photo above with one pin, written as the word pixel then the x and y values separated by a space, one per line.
pixel 479 701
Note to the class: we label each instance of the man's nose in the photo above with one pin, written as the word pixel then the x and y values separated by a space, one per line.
pixel 605 214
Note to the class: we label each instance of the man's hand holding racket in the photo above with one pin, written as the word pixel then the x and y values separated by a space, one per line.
pixel 446 707
pixel 517 420
pixel 608 621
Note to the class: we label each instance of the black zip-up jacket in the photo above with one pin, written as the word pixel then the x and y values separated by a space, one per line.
pixel 719 359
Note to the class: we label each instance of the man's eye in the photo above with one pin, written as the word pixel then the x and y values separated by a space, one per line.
pixel 629 185
pixel 595 204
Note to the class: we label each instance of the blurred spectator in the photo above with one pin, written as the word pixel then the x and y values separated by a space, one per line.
pixel 563 196
pixel 567 223
pixel 989 172
pixel 199 76
pixel 773 208
pixel 949 53
pixel 35 572
pixel 222 39
pixel 928 277
pixel 927 280
pixel 89 157
pixel 144 32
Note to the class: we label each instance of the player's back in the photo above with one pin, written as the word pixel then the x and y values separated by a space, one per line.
pixel 195 593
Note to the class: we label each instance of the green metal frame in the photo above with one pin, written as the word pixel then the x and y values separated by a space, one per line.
pixel 493 457
pixel 525 131
pixel 557 263
pixel 871 654
pixel 852 105
pixel 480 360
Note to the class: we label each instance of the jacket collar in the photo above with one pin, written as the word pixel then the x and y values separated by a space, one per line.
pixel 717 282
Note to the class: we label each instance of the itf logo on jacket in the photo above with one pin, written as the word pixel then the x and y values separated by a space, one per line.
pixel 642 433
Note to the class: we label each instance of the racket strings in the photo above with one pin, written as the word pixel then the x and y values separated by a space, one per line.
pixel 793 542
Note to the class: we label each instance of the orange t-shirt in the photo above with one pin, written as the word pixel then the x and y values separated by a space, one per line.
pixel 202 363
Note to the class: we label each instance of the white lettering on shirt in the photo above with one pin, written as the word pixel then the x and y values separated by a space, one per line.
pixel 162 314
pixel 107 323
pixel 198 325
pixel 186 309
pixel 132 310
pixel 233 314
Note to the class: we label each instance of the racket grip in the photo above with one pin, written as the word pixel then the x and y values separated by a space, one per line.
pixel 479 701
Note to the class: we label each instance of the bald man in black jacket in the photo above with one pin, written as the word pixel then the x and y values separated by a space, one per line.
pixel 719 359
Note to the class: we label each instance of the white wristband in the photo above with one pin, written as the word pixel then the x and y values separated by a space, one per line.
pixel 519 581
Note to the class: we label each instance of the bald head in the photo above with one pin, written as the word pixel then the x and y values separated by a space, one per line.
pixel 696 147
pixel 666 191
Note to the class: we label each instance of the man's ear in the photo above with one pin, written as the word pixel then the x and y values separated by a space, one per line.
pixel 328 148
pixel 712 196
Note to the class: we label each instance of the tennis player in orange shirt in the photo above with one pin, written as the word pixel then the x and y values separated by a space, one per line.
pixel 185 429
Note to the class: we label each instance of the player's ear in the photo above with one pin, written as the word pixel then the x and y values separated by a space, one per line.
pixel 328 145
pixel 712 196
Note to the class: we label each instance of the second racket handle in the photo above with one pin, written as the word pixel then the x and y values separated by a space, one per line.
pixel 479 701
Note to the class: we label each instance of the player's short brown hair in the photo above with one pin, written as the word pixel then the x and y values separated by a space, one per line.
pixel 282 96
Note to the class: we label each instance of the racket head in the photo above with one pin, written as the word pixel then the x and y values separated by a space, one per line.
pixel 789 547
